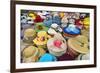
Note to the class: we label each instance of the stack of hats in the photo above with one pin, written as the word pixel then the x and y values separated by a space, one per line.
pixel 48 36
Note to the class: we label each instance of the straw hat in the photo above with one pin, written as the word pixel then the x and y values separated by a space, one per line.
pixel 79 44
pixel 32 54
pixel 29 35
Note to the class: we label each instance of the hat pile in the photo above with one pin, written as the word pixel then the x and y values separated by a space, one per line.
pixel 48 36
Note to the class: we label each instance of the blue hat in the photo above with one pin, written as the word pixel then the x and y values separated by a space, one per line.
pixel 47 22
pixel 47 58
pixel 71 29
pixel 57 20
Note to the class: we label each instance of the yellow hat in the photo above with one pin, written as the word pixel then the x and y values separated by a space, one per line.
pixel 86 22
pixel 61 14
pixel 42 33
pixel 33 15
pixel 41 39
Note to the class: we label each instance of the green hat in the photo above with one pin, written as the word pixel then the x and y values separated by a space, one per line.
pixel 40 27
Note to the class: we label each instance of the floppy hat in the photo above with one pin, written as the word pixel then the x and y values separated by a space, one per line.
pixel 78 45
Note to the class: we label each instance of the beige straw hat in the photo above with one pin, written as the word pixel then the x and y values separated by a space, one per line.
pixel 79 44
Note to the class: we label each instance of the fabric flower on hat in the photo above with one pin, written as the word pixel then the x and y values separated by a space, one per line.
pixel 41 39
pixel 57 45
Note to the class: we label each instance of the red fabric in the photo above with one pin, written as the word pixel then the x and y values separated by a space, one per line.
pixel 57 43
pixel 38 19
pixel 79 23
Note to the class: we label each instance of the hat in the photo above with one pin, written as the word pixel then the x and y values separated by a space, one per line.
pixel 79 44
pixel 57 45
pixel 41 38
pixel 29 35
pixel 47 58
pixel 40 27
pixel 30 54
pixel 71 29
